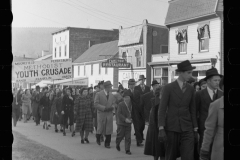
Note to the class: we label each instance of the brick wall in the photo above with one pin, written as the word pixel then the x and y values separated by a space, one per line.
pixel 79 39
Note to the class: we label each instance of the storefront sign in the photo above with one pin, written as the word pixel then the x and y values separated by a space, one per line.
pixel 116 63
pixel 32 71
pixel 126 75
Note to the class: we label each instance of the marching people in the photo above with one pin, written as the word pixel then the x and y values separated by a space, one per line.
pixel 137 112
pixel 152 145
pixel 96 88
pixel 206 96
pixel 67 110
pixel 177 115
pixel 90 91
pixel 83 107
pixel 77 94
pixel 213 134
pixel 124 122
pixel 142 89
pixel 26 103
pixel 104 102
pixel 45 103
pixel 56 109
pixel 146 100
pixel 35 105
pixel 19 97
pixel 15 107
pixel 101 87
pixel 202 84
pixel 196 86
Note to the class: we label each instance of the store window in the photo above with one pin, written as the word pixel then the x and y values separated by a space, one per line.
pixel 203 36
pixel 161 75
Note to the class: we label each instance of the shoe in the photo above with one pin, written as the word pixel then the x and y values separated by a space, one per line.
pixel 49 125
pixel 61 130
pixel 73 133
pixel 128 152
pixel 56 130
pixel 101 138
pixel 82 141
pixel 85 139
pixel 118 147
pixel 107 146
pixel 139 144
pixel 66 126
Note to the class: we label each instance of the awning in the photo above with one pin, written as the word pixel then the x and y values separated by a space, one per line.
pixel 198 68
pixel 41 84
pixel 82 81
pixel 131 35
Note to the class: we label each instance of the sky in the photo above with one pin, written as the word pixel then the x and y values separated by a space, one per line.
pixel 98 14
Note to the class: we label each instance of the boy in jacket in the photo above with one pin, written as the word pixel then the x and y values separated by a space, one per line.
pixel 124 122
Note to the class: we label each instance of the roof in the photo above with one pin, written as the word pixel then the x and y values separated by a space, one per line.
pixel 46 57
pixel 132 35
pixel 68 28
pixel 183 10
pixel 18 59
pixel 94 53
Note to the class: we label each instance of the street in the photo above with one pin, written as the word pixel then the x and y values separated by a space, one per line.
pixel 33 142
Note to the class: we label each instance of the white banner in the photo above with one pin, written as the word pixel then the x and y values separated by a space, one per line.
pixel 33 71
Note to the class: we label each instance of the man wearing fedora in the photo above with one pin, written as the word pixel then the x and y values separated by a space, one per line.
pixel 204 97
pixel 137 112
pixel 104 102
pixel 146 100
pixel 177 115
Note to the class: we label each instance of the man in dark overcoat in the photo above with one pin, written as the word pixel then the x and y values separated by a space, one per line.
pixel 35 105
pixel 137 111
pixel 204 97
pixel 146 100
pixel 142 89
pixel 177 115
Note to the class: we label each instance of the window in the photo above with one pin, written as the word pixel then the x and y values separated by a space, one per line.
pixel 181 37
pixel 106 70
pixel 65 50
pixel 78 70
pixel 163 49
pixel 84 70
pixel 55 52
pixel 60 51
pixel 182 47
pixel 161 75
pixel 91 69
pixel 138 59
pixel 100 67
pixel 203 36
pixel 124 55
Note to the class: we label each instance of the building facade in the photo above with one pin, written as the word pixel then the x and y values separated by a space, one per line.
pixel 137 44
pixel 196 36
pixel 73 42
pixel 89 64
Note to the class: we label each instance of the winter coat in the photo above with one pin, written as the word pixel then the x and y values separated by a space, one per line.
pixel 83 107
pixel 35 103
pixel 45 103
pixel 124 112
pixel 56 107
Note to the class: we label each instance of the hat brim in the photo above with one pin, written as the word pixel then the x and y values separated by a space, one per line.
pixel 154 84
pixel 207 77
pixel 187 69
pixel 142 79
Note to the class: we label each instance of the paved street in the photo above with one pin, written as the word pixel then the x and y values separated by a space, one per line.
pixel 33 142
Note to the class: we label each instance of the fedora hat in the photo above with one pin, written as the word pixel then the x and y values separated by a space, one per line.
pixel 131 81
pixel 141 77
pixel 212 72
pixel 107 83
pixel 184 66
pixel 154 82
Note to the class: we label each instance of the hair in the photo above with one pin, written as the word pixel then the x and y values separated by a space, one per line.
pixel 59 94
pixel 69 88
pixel 83 89
pixel 221 84
pixel 25 91
pixel 196 84
pixel 202 82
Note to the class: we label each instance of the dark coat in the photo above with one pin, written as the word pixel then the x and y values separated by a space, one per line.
pixel 83 107
pixel 56 107
pixel 177 111
pixel 139 89
pixel 67 104
pixel 35 103
pixel 45 103
pixel 146 104
pixel 152 145
pixel 122 113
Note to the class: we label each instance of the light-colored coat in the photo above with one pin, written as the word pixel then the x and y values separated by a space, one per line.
pixel 104 119
pixel 214 130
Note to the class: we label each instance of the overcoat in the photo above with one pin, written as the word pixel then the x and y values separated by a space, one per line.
pixel 139 89
pixel 45 103
pixel 26 103
pixel 83 109
pixel 214 130
pixel 104 118
pixel 177 111
pixel 35 103
pixel 16 107
pixel 56 107
pixel 152 145
pixel 146 104
pixel 203 100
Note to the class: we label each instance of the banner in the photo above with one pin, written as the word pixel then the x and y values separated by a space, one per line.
pixel 33 71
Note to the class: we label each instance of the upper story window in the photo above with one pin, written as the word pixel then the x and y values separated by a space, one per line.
pixel 84 70
pixel 60 51
pixel 203 37
pixel 78 70
pixel 65 50
pixel 164 49
pixel 161 75
pixel 181 36
pixel 138 58
pixel 55 52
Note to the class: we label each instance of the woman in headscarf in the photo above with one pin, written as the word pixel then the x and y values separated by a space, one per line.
pixel 26 103
pixel 56 109
pixel 45 102
pixel 15 107
pixel 83 107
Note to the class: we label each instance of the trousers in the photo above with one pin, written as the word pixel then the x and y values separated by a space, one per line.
pixel 124 132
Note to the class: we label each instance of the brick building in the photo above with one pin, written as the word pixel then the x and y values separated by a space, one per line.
pixel 73 42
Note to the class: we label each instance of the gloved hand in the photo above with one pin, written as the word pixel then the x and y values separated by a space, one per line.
pixel 195 136
pixel 56 113
pixel 62 112
pixel 204 155
pixel 162 137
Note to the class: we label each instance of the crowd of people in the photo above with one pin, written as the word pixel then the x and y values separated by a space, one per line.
pixel 184 118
